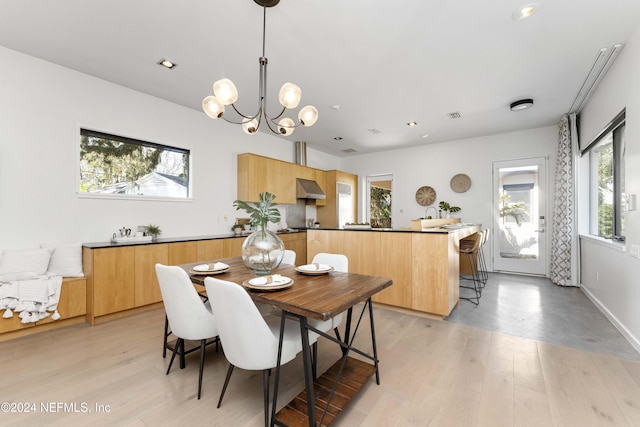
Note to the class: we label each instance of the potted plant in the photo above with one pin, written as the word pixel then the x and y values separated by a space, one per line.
pixel 448 209
pixel 152 230
pixel 237 229
pixel 263 250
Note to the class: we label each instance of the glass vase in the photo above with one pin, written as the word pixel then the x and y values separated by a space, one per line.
pixel 262 251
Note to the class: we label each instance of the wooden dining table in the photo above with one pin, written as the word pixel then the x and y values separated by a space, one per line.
pixel 322 297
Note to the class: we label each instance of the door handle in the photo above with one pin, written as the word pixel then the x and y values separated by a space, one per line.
pixel 539 231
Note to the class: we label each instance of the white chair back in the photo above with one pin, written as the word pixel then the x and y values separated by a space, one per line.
pixel 189 317
pixel 289 257
pixel 338 261
pixel 248 341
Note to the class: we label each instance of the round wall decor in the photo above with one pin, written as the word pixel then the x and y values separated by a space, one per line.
pixel 460 183
pixel 425 195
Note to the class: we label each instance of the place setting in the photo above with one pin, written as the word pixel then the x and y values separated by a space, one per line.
pixel 209 269
pixel 314 269
pixel 271 282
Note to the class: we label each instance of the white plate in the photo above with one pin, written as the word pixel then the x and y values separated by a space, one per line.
pixel 314 268
pixel 272 280
pixel 215 266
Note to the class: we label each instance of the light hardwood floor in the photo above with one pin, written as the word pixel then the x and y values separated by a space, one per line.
pixel 433 373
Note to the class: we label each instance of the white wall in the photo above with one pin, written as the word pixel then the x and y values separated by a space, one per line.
pixel 435 164
pixel 609 273
pixel 42 106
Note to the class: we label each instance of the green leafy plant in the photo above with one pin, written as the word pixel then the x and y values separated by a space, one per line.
pixel 152 230
pixel 260 213
pixel 445 206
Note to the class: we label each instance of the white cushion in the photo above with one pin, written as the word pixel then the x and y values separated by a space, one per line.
pixel 25 275
pixel 30 260
pixel 66 259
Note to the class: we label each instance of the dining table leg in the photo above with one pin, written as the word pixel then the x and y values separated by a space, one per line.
pixel 308 371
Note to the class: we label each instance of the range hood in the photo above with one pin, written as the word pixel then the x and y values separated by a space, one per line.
pixel 308 189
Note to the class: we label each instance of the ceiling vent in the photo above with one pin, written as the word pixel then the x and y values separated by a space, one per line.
pixel 375 131
pixel 349 150
pixel 454 115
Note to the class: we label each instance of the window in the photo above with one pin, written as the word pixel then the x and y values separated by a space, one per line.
pixel 379 195
pixel 606 170
pixel 113 165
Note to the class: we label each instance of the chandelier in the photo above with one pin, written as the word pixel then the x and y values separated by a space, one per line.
pixel 226 94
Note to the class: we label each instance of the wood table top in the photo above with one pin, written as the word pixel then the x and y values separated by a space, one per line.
pixel 314 296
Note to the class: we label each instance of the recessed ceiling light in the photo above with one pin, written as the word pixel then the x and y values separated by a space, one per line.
pixel 374 130
pixel 412 123
pixel 424 136
pixel 521 104
pixel 167 63
pixel 338 138
pixel 525 11
pixel 335 107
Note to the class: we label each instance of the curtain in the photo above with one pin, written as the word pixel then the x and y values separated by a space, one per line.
pixel 563 267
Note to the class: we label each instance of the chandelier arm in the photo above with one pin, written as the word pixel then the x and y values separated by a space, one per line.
pixel 273 119
pixel 269 123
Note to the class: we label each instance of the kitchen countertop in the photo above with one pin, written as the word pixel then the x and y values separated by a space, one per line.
pixel 443 230
pixel 109 244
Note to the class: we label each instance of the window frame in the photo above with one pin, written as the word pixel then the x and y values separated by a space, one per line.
pixel 88 131
pixel 617 129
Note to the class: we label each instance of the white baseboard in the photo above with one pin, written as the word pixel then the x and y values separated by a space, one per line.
pixel 635 343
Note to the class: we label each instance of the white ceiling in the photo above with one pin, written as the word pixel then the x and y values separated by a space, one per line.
pixel 385 63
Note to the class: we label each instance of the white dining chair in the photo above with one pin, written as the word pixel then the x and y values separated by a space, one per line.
pixel 289 257
pixel 249 340
pixel 340 263
pixel 189 318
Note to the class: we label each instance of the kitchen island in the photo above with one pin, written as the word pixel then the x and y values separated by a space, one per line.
pixel 423 264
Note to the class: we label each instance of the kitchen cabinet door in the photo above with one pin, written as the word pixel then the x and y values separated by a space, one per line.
pixel 147 289
pixel 232 247
pixel 113 280
pixel 183 253
pixel 208 250
pixel 296 242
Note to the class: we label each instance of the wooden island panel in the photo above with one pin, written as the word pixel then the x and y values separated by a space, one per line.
pixel 396 264
pixel 424 266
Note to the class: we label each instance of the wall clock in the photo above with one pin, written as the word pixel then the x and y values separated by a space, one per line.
pixel 460 183
pixel 425 195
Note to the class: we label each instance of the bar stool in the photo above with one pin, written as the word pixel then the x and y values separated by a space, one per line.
pixel 470 248
pixel 484 272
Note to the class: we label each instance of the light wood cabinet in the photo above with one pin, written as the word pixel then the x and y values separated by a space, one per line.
pixel 424 267
pixel 183 252
pixel 146 287
pixel 232 247
pixel 207 250
pixel 123 279
pixel 252 177
pixel 396 264
pixel 112 280
pixel 258 174
pixel 296 242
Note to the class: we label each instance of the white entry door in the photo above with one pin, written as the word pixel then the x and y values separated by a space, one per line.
pixel 520 220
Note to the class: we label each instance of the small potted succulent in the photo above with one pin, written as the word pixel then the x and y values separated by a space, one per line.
pixel 448 209
pixel 237 229
pixel 152 230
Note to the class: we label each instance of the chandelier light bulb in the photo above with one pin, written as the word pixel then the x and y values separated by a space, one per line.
pixel 212 107
pixel 290 95
pixel 286 126
pixel 308 115
pixel 250 126
pixel 226 91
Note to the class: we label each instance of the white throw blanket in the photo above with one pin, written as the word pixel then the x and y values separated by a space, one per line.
pixel 32 298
